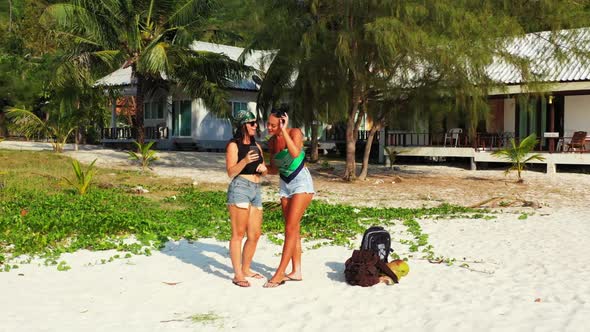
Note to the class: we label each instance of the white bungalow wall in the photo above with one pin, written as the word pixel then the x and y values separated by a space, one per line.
pixel 576 115
pixel 212 132
pixel 207 130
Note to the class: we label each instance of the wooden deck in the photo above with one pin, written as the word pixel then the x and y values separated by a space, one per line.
pixel 475 156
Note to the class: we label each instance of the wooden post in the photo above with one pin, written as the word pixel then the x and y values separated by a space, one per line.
pixel 382 146
pixel 551 124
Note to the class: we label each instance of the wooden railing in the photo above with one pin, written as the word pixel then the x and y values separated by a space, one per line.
pixel 482 142
pixel 362 135
pixel 129 133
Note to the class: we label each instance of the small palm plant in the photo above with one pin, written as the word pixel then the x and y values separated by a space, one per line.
pixel 519 155
pixel 58 127
pixel 144 154
pixel 83 177
pixel 392 155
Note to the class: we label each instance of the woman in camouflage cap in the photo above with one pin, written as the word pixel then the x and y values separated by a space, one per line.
pixel 245 165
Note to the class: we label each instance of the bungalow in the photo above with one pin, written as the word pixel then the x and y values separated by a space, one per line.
pixel 553 107
pixel 174 120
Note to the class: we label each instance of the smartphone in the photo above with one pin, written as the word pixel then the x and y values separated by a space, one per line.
pixel 255 149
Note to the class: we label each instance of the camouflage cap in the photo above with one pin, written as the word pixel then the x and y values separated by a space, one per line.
pixel 244 116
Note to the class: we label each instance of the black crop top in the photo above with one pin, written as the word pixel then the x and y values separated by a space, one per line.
pixel 243 151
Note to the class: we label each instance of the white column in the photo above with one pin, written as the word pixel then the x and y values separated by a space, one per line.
pixel 199 113
pixel 169 115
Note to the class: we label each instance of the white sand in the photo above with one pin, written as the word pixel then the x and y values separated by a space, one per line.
pixel 511 262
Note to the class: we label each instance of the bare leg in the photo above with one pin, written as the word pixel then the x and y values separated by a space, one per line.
pixel 296 260
pixel 297 205
pixel 253 233
pixel 239 222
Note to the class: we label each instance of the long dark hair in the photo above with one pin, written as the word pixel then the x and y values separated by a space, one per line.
pixel 240 133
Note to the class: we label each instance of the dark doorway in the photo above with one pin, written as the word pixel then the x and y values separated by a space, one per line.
pixel 533 116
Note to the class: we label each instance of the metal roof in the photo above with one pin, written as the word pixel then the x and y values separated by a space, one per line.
pixel 259 60
pixel 554 57
pixel 119 77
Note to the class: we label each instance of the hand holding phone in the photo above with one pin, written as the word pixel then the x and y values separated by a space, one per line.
pixel 254 153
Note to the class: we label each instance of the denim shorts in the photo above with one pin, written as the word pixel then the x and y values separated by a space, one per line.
pixel 301 184
pixel 243 191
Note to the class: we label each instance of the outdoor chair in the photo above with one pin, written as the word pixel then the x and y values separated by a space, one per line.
pixel 578 142
pixel 452 136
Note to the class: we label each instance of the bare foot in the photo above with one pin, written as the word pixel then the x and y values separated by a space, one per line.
pixel 293 276
pixel 271 284
pixel 254 275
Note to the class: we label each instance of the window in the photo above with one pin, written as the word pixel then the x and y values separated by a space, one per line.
pixel 153 110
pixel 237 106
pixel 181 118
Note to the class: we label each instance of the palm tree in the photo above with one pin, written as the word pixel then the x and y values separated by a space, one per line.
pixel 519 155
pixel 153 38
pixel 303 70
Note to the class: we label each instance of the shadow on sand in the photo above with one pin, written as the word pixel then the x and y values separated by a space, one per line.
pixel 337 273
pixel 211 258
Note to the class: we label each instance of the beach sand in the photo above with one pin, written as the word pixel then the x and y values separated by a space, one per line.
pixel 510 273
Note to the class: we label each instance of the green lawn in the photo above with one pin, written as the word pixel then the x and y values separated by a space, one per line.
pixel 41 216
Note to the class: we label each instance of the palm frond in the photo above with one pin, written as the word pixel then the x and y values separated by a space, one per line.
pixel 187 10
pixel 154 60
pixel 77 21
pixel 26 121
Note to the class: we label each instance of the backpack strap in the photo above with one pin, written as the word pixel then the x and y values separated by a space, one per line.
pixel 385 269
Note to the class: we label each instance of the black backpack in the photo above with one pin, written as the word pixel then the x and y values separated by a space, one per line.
pixel 377 240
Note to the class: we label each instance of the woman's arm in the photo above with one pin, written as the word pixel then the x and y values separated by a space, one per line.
pixel 262 169
pixel 272 168
pixel 293 137
pixel 232 165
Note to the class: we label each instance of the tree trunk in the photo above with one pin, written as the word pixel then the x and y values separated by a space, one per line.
pixel 76 138
pixel 350 170
pixel 351 131
pixel 314 155
pixel 9 16
pixel 139 107
pixel 365 169
pixel 3 127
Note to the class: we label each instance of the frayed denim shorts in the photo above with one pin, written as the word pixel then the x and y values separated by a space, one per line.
pixel 301 184
pixel 242 192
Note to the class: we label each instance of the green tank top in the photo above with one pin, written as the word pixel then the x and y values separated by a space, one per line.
pixel 288 166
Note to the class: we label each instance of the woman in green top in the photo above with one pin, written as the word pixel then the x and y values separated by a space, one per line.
pixel 296 191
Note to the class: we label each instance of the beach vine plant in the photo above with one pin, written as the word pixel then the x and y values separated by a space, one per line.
pixel 519 154
pixel 37 219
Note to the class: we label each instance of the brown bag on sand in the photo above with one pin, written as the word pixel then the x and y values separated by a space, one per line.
pixel 364 267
